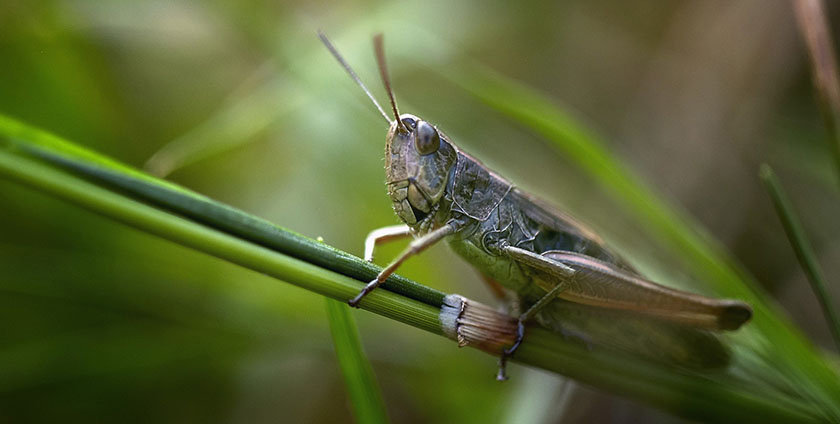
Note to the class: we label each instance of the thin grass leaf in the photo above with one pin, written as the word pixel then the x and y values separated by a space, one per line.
pixel 236 123
pixel 539 398
pixel 362 388
pixel 812 21
pixel 802 248
pixel 730 395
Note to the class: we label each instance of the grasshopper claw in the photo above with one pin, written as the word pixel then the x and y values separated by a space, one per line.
pixel 507 353
pixel 354 302
pixel 520 334
pixel 502 375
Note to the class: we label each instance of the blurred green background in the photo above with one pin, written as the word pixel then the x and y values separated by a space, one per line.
pixel 240 101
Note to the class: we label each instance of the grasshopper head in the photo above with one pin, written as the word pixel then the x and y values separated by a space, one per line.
pixel 418 161
pixel 418 158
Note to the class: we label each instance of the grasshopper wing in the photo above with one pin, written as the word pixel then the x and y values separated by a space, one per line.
pixel 592 282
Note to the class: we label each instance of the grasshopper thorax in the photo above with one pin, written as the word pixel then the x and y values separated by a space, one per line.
pixel 418 163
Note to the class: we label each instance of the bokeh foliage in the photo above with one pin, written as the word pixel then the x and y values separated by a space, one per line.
pixel 99 320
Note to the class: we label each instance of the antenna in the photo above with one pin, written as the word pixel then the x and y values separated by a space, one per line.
pixel 379 46
pixel 353 75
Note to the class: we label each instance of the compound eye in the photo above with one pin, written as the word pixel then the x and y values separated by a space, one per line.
pixel 428 139
pixel 410 123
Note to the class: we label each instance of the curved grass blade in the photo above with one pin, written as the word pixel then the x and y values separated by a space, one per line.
pixel 812 21
pixel 237 122
pixel 362 389
pixel 804 253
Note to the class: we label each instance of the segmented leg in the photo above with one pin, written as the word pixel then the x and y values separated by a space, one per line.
pixel 416 246
pixel 605 285
pixel 560 270
pixel 382 235
pixel 520 329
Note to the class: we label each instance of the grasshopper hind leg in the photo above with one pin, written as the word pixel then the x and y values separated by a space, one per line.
pixel 510 305
pixel 520 328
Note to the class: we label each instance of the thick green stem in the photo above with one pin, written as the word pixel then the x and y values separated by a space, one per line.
pixel 236 222
pixel 199 237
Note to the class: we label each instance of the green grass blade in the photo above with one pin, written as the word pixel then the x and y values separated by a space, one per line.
pixel 237 122
pixel 210 212
pixel 813 24
pixel 213 242
pixel 362 389
pixel 804 253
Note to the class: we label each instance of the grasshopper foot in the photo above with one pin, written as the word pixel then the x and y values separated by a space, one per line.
pixel 354 302
pixel 501 375
pixel 507 353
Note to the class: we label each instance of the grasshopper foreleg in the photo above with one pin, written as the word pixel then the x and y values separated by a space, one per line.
pixel 382 235
pixel 416 246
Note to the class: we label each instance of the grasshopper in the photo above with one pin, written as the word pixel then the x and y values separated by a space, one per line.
pixel 560 272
